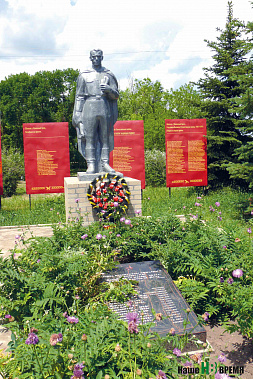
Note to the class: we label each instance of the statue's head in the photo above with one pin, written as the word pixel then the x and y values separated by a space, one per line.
pixel 96 56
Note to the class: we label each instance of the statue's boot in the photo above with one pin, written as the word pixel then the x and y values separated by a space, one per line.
pixel 91 161
pixel 105 161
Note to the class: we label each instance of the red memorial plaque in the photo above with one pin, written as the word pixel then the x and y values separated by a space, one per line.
pixel 1 168
pixel 46 153
pixel 186 158
pixel 128 154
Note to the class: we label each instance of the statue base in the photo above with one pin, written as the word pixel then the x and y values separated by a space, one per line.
pixel 83 176
pixel 77 203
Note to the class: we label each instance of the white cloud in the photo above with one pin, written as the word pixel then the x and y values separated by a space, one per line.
pixel 57 34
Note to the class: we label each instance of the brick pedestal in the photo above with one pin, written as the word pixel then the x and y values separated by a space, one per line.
pixel 76 189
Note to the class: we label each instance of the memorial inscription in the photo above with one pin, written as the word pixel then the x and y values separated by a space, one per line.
pixel 156 290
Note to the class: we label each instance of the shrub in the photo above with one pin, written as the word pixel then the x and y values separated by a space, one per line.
pixel 13 170
pixel 155 168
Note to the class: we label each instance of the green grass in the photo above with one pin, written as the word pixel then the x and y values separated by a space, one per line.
pixel 46 209
pixel 233 203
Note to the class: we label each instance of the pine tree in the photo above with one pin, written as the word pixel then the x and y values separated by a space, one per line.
pixel 220 90
pixel 242 169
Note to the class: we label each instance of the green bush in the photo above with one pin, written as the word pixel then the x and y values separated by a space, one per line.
pixel 155 168
pixel 13 170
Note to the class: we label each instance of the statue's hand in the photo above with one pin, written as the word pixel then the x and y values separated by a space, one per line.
pixel 81 130
pixel 105 87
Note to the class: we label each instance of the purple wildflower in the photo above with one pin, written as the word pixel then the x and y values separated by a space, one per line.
pixel 197 205
pixel 115 204
pixel 72 319
pixel 230 280
pixel 188 364
pixel 205 316
pixel 177 352
pixel 65 314
pixel 161 375
pixel 99 236
pixel 38 261
pixel 199 197
pixel 195 217
pixel 132 327
pixel 17 237
pixel 221 279
pixel 249 230
pixel 128 222
pixel 184 207
pixel 138 211
pixel 78 371
pixel 84 236
pixel 77 200
pixel 118 235
pixel 7 316
pixel 224 247
pixel 217 204
pixel 219 218
pixel 133 316
pixel 237 273
pixel 32 339
pixel 222 358
pixel 122 219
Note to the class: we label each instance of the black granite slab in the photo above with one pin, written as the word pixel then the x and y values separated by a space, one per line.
pixel 156 290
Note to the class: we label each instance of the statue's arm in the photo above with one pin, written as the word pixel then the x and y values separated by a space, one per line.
pixel 111 89
pixel 79 101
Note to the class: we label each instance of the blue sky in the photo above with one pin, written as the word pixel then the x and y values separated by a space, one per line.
pixel 161 39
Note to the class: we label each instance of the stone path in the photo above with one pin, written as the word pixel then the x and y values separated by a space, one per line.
pixel 8 238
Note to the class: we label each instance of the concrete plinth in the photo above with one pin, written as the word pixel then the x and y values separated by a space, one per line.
pixel 75 189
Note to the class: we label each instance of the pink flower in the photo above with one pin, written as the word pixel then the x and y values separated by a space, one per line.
pixel 133 316
pixel 222 358
pixel 72 320
pixel 237 273
pixel 177 352
pixel 84 236
pixel 249 230
pixel 161 375
pixel 55 338
pixel 217 204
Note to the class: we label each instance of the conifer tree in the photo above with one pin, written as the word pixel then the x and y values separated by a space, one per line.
pixel 242 169
pixel 220 88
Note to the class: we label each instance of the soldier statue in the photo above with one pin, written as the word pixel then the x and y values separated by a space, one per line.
pixel 95 113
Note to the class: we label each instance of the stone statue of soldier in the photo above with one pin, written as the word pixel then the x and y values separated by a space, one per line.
pixel 95 113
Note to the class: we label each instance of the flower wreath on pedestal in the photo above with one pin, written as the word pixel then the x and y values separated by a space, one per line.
pixel 109 196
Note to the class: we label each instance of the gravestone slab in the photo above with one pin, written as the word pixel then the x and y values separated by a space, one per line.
pixel 156 290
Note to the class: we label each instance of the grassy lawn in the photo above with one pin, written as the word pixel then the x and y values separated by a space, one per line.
pixel 46 209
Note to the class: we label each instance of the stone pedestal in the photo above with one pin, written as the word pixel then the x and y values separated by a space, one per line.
pixel 75 189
